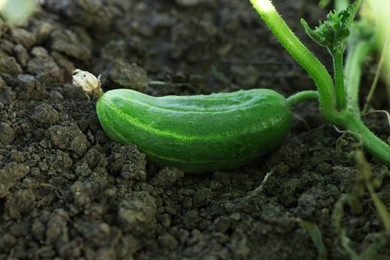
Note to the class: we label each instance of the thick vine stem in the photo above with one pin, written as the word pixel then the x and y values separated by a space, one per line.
pixel 372 143
pixel 353 71
pixel 357 51
pixel 348 117
pixel 339 80
pixel 303 56
pixel 302 96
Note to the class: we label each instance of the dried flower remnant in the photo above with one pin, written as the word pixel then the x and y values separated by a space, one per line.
pixel 87 81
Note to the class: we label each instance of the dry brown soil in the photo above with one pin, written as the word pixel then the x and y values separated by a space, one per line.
pixel 68 192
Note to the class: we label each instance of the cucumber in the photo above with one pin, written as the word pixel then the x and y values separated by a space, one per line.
pixel 197 134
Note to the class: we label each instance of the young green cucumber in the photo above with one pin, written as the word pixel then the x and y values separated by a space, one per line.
pixel 199 133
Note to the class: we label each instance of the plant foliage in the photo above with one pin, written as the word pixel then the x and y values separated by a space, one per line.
pixel 333 32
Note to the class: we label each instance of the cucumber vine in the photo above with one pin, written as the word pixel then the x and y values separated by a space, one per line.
pixel 175 133
pixel 338 96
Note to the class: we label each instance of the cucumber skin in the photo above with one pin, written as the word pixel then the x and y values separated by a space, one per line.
pixel 197 134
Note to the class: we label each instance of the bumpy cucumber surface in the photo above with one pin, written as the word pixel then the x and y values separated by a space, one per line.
pixel 199 133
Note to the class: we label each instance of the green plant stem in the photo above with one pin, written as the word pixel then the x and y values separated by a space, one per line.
pixel 378 72
pixel 339 79
pixel 302 96
pixel 357 52
pixel 321 77
pixel 348 119
pixel 361 133
pixel 353 70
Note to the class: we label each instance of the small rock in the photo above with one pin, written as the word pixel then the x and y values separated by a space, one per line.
pixel 7 133
pixel 240 248
pixel 115 49
pixel 45 115
pixel 19 202
pixel 26 80
pixel 202 197
pixel 56 95
pixel 30 88
pixel 137 211
pixel 63 62
pixel 10 65
pixel 128 162
pixel 69 138
pixel 23 37
pixel 74 45
pixel 167 241
pixel 6 46
pixel 3 83
pixel 39 52
pixel 166 177
pixel 38 229
pixel 89 19
pixel 56 225
pixel 21 54
pixel 43 66
pixel 128 75
pixel 165 220
pixel 10 175
pixel 7 240
pixel 71 250
pixel 96 15
pixel 43 30
pixel 222 224
pixel 132 244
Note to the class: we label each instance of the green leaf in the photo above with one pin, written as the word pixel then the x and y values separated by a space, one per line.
pixel 333 32
pixel 316 237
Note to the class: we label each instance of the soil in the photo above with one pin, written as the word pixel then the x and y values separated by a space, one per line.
pixel 68 192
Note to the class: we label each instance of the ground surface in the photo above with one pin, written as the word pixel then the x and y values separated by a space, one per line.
pixel 67 191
